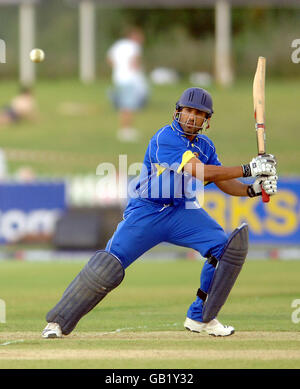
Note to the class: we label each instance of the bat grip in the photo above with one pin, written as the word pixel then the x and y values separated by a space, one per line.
pixel 264 195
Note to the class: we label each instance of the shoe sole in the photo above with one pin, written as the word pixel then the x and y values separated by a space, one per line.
pixel 50 336
pixel 221 336
pixel 204 332
pixel 196 332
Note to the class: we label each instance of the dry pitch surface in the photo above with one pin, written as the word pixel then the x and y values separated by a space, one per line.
pixel 245 346
pixel 141 323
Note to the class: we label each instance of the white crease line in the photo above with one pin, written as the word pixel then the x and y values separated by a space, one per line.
pixel 13 341
pixel 139 327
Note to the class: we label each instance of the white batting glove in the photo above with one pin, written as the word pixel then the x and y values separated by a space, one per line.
pixel 269 184
pixel 262 165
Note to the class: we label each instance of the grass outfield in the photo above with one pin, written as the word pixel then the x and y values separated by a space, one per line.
pixel 139 325
pixel 75 139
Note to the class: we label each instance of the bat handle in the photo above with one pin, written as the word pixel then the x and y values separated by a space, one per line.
pixel 264 195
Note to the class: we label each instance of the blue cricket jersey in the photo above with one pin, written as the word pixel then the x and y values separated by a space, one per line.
pixel 162 179
pixel 148 219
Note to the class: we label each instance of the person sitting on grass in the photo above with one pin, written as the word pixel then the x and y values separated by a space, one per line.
pixel 21 107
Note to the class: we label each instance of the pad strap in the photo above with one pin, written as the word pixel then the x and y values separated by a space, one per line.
pixel 201 294
pixel 212 260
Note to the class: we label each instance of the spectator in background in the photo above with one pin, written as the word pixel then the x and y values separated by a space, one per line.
pixel 22 107
pixel 130 90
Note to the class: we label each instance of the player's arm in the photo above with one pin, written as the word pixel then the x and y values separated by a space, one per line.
pixel 211 172
pixel 260 165
pixel 233 187
pixel 237 188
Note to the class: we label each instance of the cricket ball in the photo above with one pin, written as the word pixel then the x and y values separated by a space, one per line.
pixel 37 55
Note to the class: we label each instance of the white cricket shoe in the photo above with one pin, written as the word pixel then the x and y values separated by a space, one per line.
pixel 52 330
pixel 214 327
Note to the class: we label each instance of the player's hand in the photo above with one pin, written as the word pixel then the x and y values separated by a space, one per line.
pixel 262 165
pixel 269 184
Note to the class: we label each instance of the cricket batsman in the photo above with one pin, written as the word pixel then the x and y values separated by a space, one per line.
pixel 164 207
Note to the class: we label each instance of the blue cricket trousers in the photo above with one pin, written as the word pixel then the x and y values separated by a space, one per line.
pixel 147 224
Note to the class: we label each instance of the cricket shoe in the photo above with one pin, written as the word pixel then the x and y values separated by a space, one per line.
pixel 214 327
pixel 52 330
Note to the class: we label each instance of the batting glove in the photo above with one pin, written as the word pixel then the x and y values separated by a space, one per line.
pixel 269 184
pixel 262 165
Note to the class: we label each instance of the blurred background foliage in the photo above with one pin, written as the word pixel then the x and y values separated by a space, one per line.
pixel 182 39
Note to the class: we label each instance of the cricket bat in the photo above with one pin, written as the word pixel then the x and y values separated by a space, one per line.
pixel 259 111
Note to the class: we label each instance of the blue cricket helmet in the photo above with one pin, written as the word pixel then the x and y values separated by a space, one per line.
pixel 197 98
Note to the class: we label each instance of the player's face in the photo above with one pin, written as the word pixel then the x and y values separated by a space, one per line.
pixel 191 119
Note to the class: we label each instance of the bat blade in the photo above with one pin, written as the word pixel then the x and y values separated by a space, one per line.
pixel 259 110
pixel 259 104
